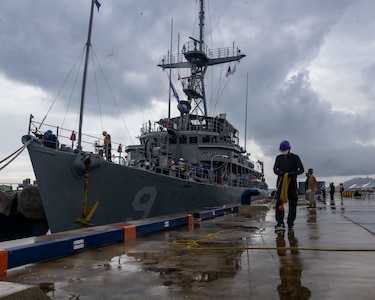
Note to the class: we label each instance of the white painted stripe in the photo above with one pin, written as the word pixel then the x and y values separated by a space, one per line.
pixel 78 244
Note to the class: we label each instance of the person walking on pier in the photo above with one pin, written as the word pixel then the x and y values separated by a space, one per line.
pixel 341 189
pixel 323 189
pixel 287 167
pixel 332 190
pixel 312 188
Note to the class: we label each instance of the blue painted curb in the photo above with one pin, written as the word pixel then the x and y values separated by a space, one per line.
pixel 52 249
pixel 150 227
pixel 47 250
pixel 215 212
pixel 22 255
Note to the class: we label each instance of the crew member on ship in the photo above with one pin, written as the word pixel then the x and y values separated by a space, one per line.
pixel 107 145
pixel 182 167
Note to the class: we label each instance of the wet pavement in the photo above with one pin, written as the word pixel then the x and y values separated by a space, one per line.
pixel 328 255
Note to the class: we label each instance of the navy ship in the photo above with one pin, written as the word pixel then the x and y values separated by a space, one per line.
pixel 182 163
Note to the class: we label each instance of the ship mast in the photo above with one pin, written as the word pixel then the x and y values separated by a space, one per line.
pixel 198 57
pixel 88 45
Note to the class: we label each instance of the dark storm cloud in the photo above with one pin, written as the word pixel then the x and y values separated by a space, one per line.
pixel 41 40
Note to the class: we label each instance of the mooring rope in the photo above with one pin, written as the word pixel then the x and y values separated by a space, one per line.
pixel 195 245
pixel 15 154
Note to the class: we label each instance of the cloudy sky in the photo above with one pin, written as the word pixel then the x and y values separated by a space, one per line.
pixel 310 64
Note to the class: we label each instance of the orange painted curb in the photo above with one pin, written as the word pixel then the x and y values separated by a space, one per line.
pixel 130 232
pixel 190 222
pixel 3 262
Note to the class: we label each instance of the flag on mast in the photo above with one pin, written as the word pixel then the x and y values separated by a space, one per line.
pixel 234 69
pixel 228 72
pixel 97 3
pixel 174 92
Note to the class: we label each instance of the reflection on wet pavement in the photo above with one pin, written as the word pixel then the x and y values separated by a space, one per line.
pixel 291 268
pixel 236 256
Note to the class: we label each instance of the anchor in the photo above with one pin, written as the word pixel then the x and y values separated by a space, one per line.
pixel 87 214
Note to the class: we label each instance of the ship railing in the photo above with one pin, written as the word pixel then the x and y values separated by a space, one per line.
pixel 226 52
pixel 242 182
pixel 211 126
pixel 192 172
pixel 67 140
pixel 181 170
pixel 218 124
pixel 152 126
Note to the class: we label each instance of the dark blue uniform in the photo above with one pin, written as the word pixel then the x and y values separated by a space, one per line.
pixel 291 164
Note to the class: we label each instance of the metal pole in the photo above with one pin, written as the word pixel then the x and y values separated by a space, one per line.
pixel 247 89
pixel 88 44
pixel 170 75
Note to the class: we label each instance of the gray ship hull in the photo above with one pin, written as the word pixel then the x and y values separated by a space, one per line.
pixel 124 193
pixel 182 163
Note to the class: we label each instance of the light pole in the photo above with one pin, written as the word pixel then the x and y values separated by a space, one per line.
pixel 212 164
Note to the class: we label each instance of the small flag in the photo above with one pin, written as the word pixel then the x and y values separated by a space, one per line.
pixel 97 3
pixel 234 69
pixel 228 72
pixel 174 92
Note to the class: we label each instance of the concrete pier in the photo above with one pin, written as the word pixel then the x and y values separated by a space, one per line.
pixel 232 255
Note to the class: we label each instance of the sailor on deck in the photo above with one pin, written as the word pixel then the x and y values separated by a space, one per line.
pixel 107 145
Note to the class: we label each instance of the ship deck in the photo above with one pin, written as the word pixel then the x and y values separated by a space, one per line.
pixel 226 254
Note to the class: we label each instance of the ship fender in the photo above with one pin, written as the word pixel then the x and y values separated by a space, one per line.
pixel 6 200
pixel 30 204
pixel 247 194
pixel 26 217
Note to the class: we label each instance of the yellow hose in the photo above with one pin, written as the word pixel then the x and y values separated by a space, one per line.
pixel 284 188
pixel 194 245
